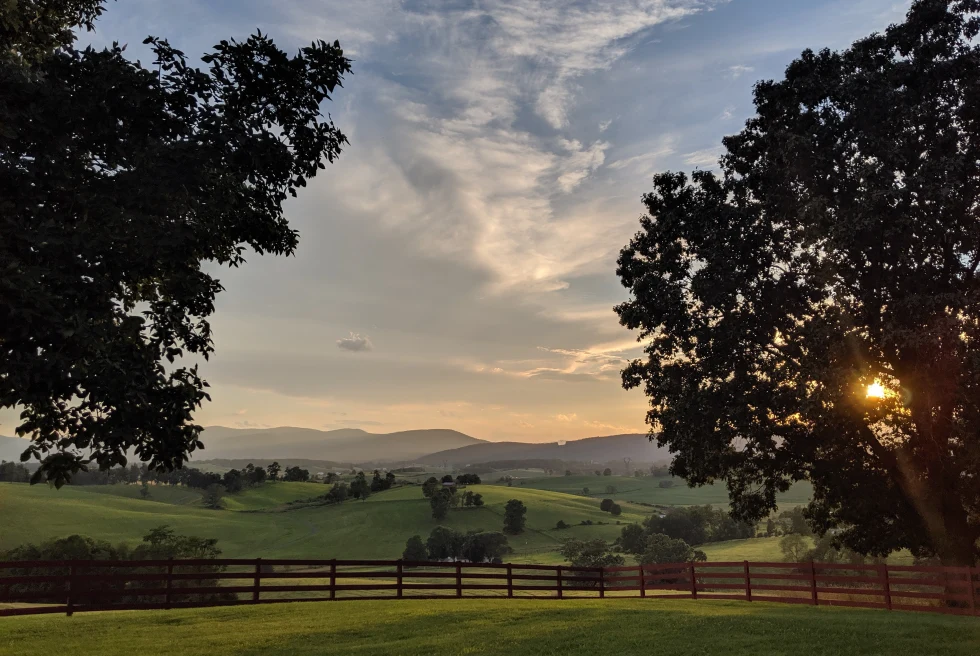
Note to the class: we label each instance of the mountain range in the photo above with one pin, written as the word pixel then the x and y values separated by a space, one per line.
pixel 432 447
pixel 342 445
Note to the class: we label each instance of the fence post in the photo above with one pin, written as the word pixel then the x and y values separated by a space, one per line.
pixel 70 601
pixel 643 582
pixel 694 582
pixel 459 580
pixel 257 581
pixel 510 581
pixel 168 600
pixel 399 587
pixel 813 584
pixel 885 585
pixel 973 589
pixel 748 583
pixel 602 583
pixel 333 578
pixel 559 582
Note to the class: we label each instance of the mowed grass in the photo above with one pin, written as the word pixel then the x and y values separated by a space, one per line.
pixel 647 490
pixel 530 628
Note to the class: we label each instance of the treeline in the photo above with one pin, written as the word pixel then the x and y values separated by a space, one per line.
pixel 447 544
pixel 670 537
pixel 160 543
pixel 14 472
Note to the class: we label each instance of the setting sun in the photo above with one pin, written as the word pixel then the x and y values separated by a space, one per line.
pixel 876 391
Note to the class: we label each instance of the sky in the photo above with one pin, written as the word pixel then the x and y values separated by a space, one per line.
pixel 456 265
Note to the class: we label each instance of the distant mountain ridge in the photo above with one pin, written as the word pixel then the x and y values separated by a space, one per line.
pixel 341 445
pixel 635 446
pixel 431 447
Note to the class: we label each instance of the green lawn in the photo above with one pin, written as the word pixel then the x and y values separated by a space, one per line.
pixel 647 490
pixel 530 628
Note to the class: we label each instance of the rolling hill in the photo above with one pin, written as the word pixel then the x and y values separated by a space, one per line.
pixel 342 445
pixel 589 449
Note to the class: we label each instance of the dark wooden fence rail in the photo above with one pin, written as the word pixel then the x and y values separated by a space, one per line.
pixel 31 587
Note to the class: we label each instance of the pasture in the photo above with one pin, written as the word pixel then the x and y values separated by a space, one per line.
pixel 474 626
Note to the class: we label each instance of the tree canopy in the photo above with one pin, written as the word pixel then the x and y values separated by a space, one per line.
pixel 812 311
pixel 118 185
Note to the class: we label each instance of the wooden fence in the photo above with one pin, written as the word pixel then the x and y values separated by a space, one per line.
pixel 30 587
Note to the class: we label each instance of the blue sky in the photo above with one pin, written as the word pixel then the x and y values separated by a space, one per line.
pixel 456 266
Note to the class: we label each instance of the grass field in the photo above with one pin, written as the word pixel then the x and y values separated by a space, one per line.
pixel 647 490
pixel 530 628
pixel 376 528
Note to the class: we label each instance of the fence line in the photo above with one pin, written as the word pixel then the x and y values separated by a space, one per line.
pixel 32 587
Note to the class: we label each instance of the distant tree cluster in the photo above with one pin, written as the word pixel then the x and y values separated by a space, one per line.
pixel 698 525
pixel 14 472
pixel 235 481
pixel 447 544
pixel 589 553
pixel 359 487
pixel 160 543
pixel 610 506
pixel 445 497
pixel 380 483
pixel 468 479
pixel 296 474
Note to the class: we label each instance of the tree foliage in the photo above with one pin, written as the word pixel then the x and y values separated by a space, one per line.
pixel 838 247
pixel 515 516
pixel 589 553
pixel 118 183
pixel 415 550
pixel 660 548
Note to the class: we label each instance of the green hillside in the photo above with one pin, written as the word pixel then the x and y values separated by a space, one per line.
pixel 647 490
pixel 377 528
pixel 478 626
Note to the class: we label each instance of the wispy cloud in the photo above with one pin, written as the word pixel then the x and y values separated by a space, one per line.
pixel 739 70
pixel 355 343
pixel 707 158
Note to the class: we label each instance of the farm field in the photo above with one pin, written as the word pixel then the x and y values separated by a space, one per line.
pixel 376 528
pixel 647 490
pixel 625 626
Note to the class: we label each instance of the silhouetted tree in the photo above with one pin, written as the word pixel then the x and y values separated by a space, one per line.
pixel 119 183
pixel 814 312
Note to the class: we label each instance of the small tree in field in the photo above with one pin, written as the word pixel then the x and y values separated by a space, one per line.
pixel 606 504
pixel 795 548
pixel 212 497
pixel 616 510
pixel 514 517
pixel 415 550
pixel 439 503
